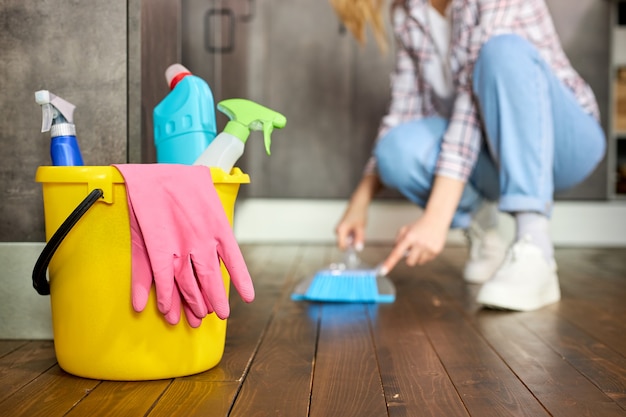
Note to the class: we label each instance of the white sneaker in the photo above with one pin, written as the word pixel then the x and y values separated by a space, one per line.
pixel 524 282
pixel 486 252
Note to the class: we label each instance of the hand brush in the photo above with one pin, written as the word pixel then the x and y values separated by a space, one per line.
pixel 347 282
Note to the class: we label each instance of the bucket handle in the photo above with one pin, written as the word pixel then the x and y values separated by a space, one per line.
pixel 40 282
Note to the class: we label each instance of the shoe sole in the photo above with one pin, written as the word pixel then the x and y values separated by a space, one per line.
pixel 474 275
pixel 477 280
pixel 494 297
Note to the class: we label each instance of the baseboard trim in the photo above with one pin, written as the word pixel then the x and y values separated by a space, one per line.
pixel 594 224
pixel 25 314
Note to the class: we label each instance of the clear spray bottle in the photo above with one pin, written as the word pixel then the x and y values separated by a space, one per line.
pixel 58 118
pixel 245 115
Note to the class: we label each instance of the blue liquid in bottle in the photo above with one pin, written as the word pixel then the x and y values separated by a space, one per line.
pixel 64 151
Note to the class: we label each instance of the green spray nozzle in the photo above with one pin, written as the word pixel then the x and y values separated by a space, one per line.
pixel 246 115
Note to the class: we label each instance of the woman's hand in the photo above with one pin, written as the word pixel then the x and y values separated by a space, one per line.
pixel 423 240
pixel 351 227
pixel 419 242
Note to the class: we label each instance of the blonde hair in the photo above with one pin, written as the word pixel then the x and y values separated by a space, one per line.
pixel 357 14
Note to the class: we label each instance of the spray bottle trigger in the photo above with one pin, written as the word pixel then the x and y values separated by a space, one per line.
pixel 278 121
pixel 268 127
pixel 47 115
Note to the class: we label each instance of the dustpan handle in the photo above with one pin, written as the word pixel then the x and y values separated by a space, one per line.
pixel 40 282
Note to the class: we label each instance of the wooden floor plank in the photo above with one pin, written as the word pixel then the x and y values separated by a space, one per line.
pixel 120 399
pixel 601 365
pixel 196 398
pixel 597 321
pixel 52 394
pixel 569 396
pixel 561 388
pixel 593 292
pixel 585 355
pixel 414 380
pixel 24 364
pixel 602 263
pixel 248 321
pixel 279 381
pixel 484 381
pixel 579 280
pixel 347 378
pixel 8 346
pixel 449 272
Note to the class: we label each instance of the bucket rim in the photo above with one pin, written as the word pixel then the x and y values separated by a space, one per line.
pixel 80 174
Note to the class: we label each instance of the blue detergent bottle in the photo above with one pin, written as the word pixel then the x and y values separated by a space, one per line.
pixel 184 121
pixel 58 118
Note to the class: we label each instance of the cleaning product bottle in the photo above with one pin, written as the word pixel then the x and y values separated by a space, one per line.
pixel 245 115
pixel 184 121
pixel 58 118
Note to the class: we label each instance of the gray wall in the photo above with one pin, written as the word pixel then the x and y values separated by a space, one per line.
pixel 77 50
pixel 332 91
pixel 298 61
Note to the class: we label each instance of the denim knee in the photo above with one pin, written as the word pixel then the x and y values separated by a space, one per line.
pixel 407 154
pixel 391 159
pixel 500 56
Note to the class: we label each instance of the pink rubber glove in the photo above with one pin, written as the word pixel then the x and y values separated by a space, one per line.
pixel 141 277
pixel 179 233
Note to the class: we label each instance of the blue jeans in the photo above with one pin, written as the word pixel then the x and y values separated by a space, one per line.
pixel 538 139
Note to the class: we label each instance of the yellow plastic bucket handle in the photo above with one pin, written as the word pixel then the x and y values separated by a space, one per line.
pixel 40 282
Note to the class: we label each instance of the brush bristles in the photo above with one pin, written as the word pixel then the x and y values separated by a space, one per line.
pixel 344 286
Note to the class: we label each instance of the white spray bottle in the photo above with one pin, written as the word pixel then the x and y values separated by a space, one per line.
pixel 245 115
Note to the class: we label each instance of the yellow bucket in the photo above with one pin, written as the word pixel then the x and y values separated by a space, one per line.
pixel 97 334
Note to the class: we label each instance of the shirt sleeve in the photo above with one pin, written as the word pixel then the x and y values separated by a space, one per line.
pixel 406 98
pixel 461 141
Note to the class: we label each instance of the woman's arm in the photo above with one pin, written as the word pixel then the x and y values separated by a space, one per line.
pixel 351 227
pixel 424 239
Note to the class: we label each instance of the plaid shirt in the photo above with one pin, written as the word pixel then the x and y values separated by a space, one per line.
pixel 473 23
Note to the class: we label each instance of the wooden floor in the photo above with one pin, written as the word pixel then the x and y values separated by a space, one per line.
pixel 431 353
